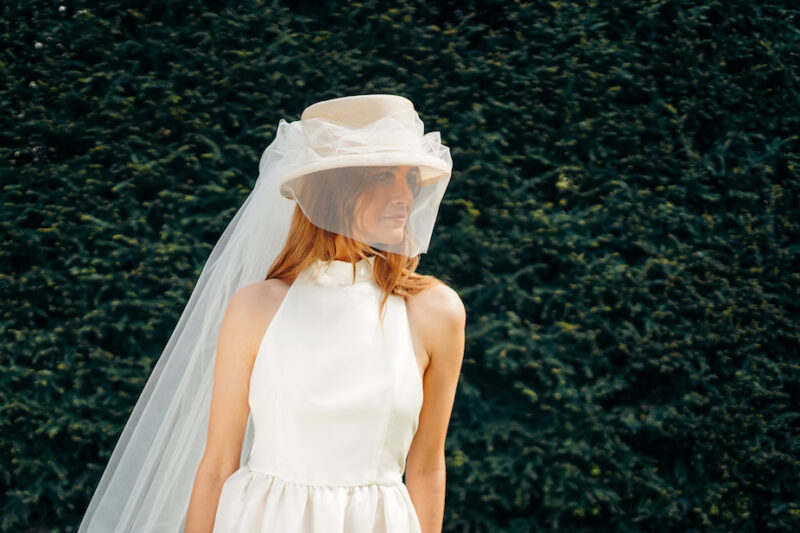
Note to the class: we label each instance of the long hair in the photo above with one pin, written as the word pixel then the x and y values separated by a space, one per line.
pixel 334 196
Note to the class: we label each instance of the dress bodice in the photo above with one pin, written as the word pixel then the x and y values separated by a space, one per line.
pixel 335 402
pixel 335 398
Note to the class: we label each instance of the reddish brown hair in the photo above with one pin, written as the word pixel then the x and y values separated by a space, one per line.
pixel 306 243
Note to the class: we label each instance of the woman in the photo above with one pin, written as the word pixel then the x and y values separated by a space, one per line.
pixel 346 359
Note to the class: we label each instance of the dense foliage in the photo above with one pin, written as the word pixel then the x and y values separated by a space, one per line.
pixel 622 225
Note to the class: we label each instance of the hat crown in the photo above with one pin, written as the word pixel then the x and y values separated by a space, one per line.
pixel 362 109
pixel 362 124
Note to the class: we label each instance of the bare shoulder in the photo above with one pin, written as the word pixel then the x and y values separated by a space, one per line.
pixel 440 302
pixel 261 297
pixel 253 306
pixel 439 314
pixel 269 289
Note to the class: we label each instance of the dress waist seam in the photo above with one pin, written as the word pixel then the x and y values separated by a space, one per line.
pixel 392 481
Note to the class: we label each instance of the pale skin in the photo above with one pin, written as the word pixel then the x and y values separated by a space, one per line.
pixel 437 318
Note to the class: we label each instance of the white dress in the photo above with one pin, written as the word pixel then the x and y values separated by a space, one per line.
pixel 335 403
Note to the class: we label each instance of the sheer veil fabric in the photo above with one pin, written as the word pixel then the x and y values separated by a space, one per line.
pixel 147 483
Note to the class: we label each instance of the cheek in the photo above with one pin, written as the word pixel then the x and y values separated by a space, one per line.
pixel 368 221
pixel 371 211
pixel 367 216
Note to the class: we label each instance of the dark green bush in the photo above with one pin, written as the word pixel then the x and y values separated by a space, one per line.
pixel 622 225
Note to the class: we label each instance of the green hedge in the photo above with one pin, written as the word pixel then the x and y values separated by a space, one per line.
pixel 622 225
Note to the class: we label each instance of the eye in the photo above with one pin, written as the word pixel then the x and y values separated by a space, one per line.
pixel 413 179
pixel 382 177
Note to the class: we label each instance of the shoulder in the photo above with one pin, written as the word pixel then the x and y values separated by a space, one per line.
pixel 256 293
pixel 440 315
pixel 251 309
pixel 440 303
pixel 259 297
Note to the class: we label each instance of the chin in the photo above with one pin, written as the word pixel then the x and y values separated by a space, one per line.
pixel 389 238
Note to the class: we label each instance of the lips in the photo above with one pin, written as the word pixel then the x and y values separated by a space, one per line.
pixel 397 218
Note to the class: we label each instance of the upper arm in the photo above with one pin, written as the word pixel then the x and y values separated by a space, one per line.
pixel 247 316
pixel 444 334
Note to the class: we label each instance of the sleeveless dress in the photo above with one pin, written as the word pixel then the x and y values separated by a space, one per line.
pixel 335 403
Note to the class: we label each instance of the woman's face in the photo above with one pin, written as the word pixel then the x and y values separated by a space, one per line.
pixel 382 211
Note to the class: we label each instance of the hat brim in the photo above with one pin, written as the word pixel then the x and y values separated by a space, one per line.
pixel 431 169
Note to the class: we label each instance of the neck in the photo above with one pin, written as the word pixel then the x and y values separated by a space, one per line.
pixel 339 253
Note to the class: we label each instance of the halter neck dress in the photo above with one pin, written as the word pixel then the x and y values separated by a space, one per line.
pixel 335 402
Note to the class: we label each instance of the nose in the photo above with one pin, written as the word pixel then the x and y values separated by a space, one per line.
pixel 401 192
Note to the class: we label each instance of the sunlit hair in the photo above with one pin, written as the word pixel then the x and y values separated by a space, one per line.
pixel 306 243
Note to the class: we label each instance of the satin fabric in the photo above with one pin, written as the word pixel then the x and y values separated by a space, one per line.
pixel 335 401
